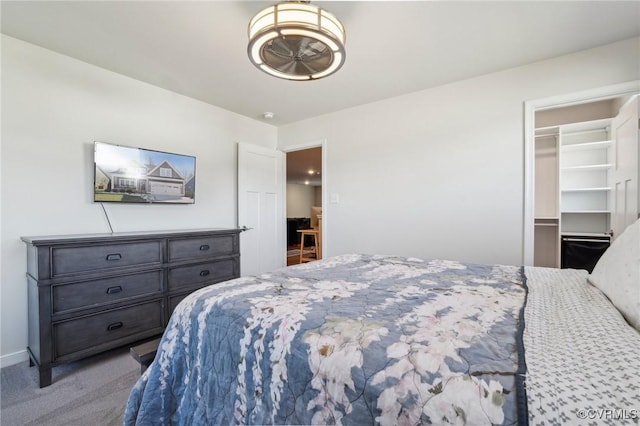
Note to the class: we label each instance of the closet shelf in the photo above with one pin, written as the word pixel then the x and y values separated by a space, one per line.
pixel 586 126
pixel 586 168
pixel 547 131
pixel 585 211
pixel 586 146
pixel 586 234
pixel 595 189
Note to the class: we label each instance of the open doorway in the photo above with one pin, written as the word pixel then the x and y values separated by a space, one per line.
pixel 568 147
pixel 304 205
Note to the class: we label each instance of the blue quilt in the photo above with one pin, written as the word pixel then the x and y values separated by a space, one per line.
pixel 352 340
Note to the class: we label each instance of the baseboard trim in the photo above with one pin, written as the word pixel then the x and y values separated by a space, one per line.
pixel 13 358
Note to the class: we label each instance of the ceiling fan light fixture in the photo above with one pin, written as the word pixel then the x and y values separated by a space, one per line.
pixel 296 41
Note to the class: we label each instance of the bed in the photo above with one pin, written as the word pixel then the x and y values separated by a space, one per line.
pixel 375 339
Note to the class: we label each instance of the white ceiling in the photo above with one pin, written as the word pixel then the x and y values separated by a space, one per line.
pixel 198 48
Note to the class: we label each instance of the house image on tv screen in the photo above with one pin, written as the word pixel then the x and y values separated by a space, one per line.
pixel 143 176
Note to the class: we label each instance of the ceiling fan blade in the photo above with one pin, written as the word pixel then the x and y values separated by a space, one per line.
pixel 275 60
pixel 282 47
pixel 306 67
pixel 314 48
pixel 290 68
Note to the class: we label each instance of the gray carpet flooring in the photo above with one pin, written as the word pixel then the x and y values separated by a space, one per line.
pixel 92 391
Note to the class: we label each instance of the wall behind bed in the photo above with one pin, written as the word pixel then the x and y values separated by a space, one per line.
pixel 439 173
pixel 53 109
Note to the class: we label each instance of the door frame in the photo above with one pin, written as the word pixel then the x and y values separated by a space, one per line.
pixel 319 143
pixel 530 108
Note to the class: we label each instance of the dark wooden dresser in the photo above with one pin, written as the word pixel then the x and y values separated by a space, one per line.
pixel 91 293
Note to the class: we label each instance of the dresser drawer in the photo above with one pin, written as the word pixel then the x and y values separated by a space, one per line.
pixel 94 330
pixel 68 260
pixel 201 274
pixel 202 247
pixel 103 291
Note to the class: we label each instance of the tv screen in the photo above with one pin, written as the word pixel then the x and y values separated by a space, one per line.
pixel 124 174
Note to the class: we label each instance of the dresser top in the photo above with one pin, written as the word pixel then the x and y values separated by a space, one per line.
pixel 116 236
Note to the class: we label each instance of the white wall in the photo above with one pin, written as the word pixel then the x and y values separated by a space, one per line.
pixel 439 173
pixel 300 198
pixel 53 109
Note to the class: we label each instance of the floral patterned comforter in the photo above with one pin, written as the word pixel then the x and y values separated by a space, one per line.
pixel 352 340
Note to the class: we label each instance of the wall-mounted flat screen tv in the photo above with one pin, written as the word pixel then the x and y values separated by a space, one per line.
pixel 126 174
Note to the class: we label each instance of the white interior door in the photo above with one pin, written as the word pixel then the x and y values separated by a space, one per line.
pixel 261 209
pixel 624 174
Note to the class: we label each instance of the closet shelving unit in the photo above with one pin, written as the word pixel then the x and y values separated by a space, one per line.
pixel 573 196
pixel 585 164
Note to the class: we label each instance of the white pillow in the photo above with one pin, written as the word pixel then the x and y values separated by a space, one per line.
pixel 617 274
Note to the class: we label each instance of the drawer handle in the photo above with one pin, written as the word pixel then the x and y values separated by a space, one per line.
pixel 114 326
pixel 114 290
pixel 204 273
pixel 115 256
pixel 204 247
